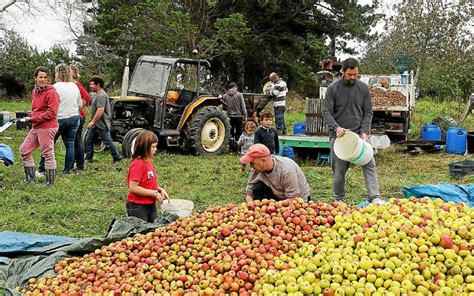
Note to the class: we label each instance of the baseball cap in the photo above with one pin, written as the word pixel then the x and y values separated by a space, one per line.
pixel 255 151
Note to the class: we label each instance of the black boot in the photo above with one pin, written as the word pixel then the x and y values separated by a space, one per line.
pixel 29 175
pixel 50 177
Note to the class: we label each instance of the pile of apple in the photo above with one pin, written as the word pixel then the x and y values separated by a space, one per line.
pixel 224 250
pixel 404 247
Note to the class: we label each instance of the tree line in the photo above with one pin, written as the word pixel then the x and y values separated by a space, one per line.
pixel 245 40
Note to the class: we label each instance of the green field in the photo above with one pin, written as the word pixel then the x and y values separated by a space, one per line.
pixel 84 204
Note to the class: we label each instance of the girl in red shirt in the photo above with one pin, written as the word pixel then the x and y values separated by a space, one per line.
pixel 143 189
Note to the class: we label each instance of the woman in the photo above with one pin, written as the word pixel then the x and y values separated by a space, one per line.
pixel 68 114
pixel 86 98
pixel 143 189
pixel 44 125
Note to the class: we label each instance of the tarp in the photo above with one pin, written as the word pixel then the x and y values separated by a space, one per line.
pixel 6 154
pixel 447 192
pixel 37 256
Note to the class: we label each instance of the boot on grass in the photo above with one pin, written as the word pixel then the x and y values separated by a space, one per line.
pixel 29 175
pixel 50 177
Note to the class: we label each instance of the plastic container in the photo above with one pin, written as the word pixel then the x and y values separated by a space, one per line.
pixel 470 142
pixel 4 117
pixel 299 128
pixel 288 151
pixel 431 132
pixel 179 207
pixel 353 148
pixel 456 140
pixel 22 125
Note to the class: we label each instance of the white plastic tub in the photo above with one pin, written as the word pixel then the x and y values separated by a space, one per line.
pixel 353 148
pixel 179 207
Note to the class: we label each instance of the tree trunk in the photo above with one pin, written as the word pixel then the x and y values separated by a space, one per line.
pixel 240 73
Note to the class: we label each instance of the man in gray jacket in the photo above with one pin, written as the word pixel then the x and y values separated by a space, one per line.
pixel 347 105
pixel 235 110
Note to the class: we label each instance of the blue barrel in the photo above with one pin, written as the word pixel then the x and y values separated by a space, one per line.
pixel 456 139
pixel 288 151
pixel 299 128
pixel 430 132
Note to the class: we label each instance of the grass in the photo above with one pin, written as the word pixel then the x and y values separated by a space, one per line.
pixel 84 204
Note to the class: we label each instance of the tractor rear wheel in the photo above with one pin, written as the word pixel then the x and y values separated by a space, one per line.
pixel 207 132
pixel 99 146
pixel 128 142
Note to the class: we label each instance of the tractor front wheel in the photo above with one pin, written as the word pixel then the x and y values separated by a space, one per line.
pixel 207 132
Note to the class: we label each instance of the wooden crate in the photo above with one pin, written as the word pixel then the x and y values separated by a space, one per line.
pixel 315 125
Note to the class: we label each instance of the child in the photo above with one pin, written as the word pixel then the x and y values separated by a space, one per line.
pixel 265 134
pixel 246 139
pixel 143 189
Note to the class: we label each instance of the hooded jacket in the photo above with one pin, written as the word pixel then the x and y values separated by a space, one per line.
pixel 235 104
pixel 44 108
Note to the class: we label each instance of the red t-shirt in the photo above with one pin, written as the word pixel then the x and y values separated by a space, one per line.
pixel 144 173
pixel 84 96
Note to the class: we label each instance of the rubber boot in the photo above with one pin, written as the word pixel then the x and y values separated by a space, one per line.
pixel 50 177
pixel 29 175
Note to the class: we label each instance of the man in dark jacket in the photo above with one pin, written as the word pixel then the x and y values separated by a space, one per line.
pixel 235 110
pixel 347 105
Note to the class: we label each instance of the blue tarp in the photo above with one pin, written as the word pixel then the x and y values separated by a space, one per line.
pixel 19 242
pixel 6 154
pixel 447 192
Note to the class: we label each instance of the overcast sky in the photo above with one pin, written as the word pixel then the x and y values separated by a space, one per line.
pixel 43 29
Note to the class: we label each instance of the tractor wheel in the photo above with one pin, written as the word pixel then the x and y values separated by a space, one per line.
pixel 207 132
pixel 99 146
pixel 128 142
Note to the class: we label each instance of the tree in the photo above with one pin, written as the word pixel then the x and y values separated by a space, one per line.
pixel 434 34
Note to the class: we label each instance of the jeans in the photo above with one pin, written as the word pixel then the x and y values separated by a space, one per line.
pixel 67 131
pixel 280 118
pixel 106 138
pixel 79 147
pixel 339 169
pixel 235 127
pixel 145 212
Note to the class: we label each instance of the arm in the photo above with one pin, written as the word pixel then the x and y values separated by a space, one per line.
pixel 134 188
pixel 367 117
pixel 97 116
pixel 242 106
pixel 52 104
pixel 328 109
pixel 277 143
pixel 85 96
pixel 291 185
pixel 249 188
pixel 241 140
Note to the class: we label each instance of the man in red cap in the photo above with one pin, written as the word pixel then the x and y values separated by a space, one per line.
pixel 273 177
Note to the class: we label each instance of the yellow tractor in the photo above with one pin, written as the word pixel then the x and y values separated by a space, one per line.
pixel 171 97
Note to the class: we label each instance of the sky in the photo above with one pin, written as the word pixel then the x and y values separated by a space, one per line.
pixel 43 29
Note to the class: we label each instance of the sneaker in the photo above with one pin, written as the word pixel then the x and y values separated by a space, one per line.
pixel 378 201
pixel 39 174
pixel 117 160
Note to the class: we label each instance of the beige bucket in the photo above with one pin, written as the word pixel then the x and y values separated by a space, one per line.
pixel 179 207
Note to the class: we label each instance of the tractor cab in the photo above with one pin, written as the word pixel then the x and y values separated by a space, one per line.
pixel 166 95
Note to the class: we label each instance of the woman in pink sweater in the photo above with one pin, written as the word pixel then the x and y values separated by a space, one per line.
pixel 44 125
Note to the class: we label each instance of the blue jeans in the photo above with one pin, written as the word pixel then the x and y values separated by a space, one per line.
pixel 79 146
pixel 280 117
pixel 67 131
pixel 105 136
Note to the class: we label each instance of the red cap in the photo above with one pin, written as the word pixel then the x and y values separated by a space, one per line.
pixel 255 151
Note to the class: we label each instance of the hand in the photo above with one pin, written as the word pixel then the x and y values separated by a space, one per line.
pixel 249 199
pixel 157 196
pixel 340 132
pixel 164 194
pixel 90 125
pixel 365 137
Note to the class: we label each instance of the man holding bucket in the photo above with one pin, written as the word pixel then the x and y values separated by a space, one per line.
pixel 347 105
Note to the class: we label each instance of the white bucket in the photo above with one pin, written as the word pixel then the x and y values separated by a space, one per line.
pixel 353 148
pixel 179 207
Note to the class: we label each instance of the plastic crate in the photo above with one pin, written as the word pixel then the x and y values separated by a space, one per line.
pixel 462 168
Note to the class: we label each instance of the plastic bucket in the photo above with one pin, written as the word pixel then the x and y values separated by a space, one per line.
pixel 456 140
pixel 299 128
pixel 353 148
pixel 179 207
pixel 431 132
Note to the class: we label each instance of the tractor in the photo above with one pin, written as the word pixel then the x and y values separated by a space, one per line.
pixel 171 97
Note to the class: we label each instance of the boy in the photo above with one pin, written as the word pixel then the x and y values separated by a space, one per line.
pixel 265 134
